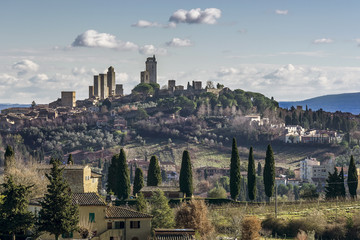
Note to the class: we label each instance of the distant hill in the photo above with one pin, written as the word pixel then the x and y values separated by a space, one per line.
pixel 9 105
pixel 346 102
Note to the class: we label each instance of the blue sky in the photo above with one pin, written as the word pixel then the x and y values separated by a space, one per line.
pixel 291 50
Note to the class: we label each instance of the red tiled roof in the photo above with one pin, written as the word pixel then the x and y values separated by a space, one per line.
pixel 121 212
pixel 87 199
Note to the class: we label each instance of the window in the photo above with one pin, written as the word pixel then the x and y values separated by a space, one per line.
pixel 91 217
pixel 134 224
pixel 109 225
pixel 119 225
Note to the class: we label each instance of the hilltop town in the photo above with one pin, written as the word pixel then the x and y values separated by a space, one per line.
pixel 165 122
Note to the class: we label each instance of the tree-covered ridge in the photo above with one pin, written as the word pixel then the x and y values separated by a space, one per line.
pixel 319 119
pixel 246 102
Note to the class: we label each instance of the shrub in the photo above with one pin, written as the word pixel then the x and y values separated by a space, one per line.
pixel 275 225
pixel 250 228
pixel 354 228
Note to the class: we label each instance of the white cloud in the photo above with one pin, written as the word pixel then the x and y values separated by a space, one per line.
pixel 289 82
pixel 145 24
pixel 39 78
pixel 151 49
pixel 207 16
pixel 322 40
pixel 227 71
pixel 178 42
pixel 92 38
pixel 281 12
pixel 25 66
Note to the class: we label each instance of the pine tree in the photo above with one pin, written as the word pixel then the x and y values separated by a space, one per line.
pixel 70 160
pixel 185 178
pixel 251 176
pixel 332 189
pixel 138 181
pixel 123 187
pixel 269 172
pixel 235 172
pixel 14 216
pixel 141 203
pixel 259 169
pixel 9 157
pixel 342 192
pixel 154 172
pixel 352 178
pixel 163 215
pixel 58 215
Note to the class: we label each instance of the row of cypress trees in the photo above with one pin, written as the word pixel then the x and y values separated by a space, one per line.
pixel 336 182
pixel 119 177
pixel 235 177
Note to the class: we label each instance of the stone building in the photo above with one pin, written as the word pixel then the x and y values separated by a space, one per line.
pixel 97 88
pixel 150 73
pixel 104 89
pixel 91 91
pixel 107 222
pixel 111 81
pixel 80 178
pixel 68 99
pixel 119 90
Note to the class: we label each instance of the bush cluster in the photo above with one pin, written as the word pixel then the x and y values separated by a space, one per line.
pixel 341 229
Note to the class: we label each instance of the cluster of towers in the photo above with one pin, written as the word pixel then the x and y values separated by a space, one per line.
pixel 149 75
pixel 104 85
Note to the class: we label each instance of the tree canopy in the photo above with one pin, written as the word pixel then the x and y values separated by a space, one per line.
pixel 234 171
pixel 14 214
pixel 185 178
pixel 58 215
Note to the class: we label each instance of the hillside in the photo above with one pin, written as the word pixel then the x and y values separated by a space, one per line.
pixel 347 102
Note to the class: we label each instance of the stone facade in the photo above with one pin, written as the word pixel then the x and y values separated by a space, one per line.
pixel 68 99
pixel 97 88
pixel 151 67
pixel 145 77
pixel 111 81
pixel 119 90
pixel 104 89
pixel 80 178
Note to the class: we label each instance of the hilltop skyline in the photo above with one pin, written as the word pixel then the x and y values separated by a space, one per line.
pixel 288 50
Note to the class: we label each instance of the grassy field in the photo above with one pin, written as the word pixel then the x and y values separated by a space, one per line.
pixel 286 155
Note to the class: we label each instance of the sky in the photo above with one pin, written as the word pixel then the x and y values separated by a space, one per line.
pixel 286 49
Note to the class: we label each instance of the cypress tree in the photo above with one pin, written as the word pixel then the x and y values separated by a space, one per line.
pixel 123 177
pixel 112 176
pixel 70 160
pixel 185 178
pixel 234 171
pixel 342 192
pixel 9 157
pixel 259 169
pixel 332 187
pixel 154 172
pixel 138 181
pixel 251 176
pixel 269 172
pixel 352 178
pixel 15 217
pixel 58 215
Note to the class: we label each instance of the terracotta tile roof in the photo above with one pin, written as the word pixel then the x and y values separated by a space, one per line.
pixel 88 199
pixel 121 212
pixel 81 199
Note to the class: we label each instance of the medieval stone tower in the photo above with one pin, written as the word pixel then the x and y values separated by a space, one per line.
pixel 151 68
